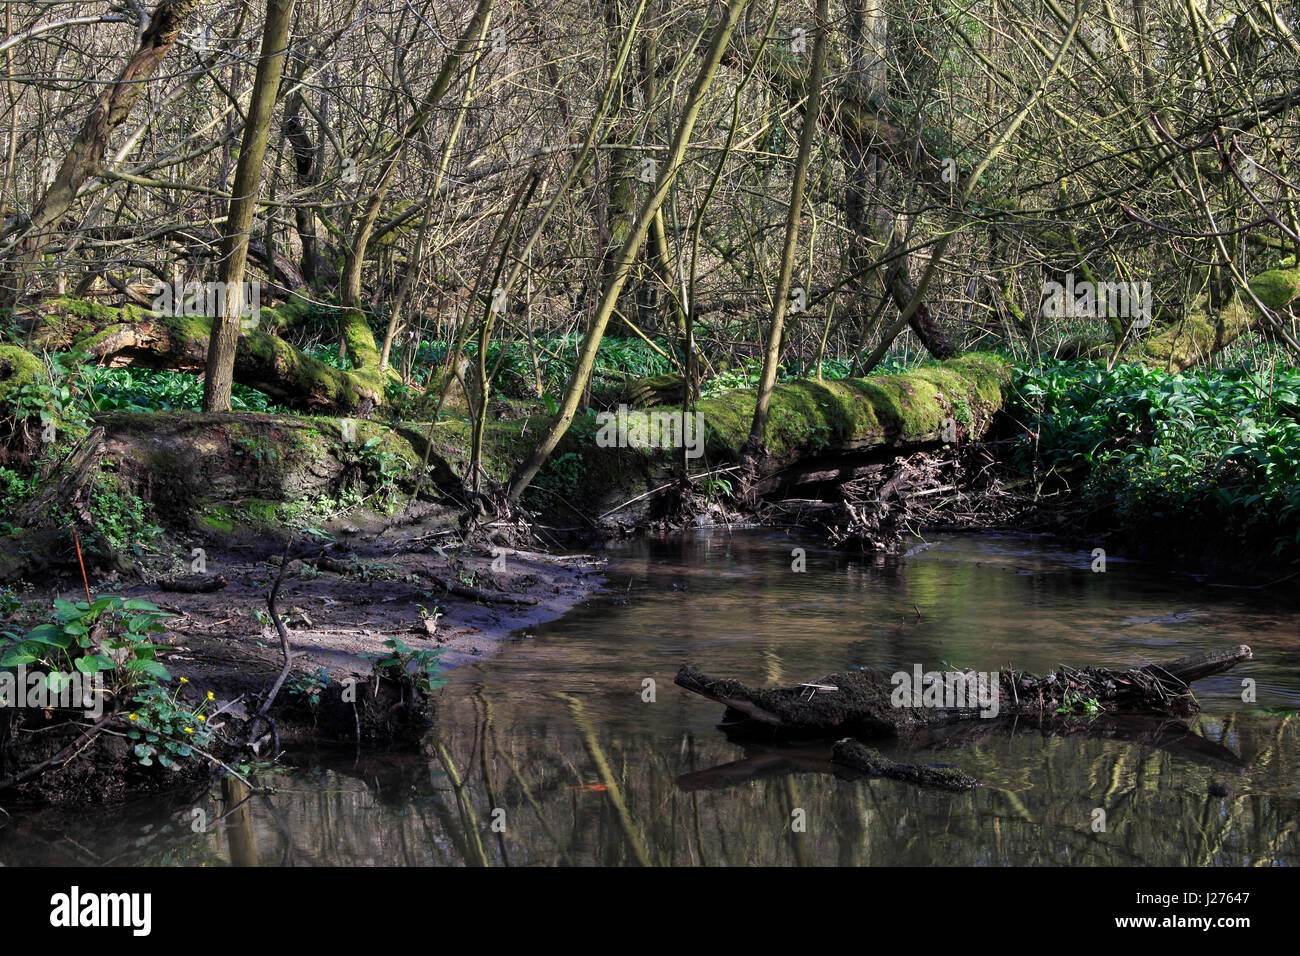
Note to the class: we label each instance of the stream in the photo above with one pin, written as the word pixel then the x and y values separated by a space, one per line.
pixel 551 753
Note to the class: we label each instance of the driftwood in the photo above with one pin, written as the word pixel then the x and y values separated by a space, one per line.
pixel 868 703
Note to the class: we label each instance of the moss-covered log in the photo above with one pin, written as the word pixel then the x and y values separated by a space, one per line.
pixel 880 703
pixel 813 427
pixel 1201 333
pixel 811 417
pixel 18 367
pixel 137 337
pixel 230 478
pixel 237 471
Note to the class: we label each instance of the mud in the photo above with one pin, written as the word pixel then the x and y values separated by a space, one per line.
pixel 340 601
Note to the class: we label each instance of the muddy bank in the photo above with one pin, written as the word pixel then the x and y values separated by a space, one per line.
pixel 339 602
pixel 357 611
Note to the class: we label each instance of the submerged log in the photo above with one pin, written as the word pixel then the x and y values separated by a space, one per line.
pixel 881 703
pixel 773 759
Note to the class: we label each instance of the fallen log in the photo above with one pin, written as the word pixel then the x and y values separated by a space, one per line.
pixel 835 430
pixel 132 336
pixel 879 703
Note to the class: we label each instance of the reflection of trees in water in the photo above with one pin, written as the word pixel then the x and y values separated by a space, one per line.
pixel 1036 808
pixel 517 746
pixel 541 768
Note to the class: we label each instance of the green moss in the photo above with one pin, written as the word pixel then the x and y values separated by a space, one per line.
pixel 360 340
pixel 808 415
pixel 18 367
pixel 1277 288
pixel 1194 337
pixel 83 309
pixel 187 328
pixel 215 519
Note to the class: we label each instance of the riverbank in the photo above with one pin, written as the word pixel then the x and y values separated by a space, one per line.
pixel 359 612
pixel 520 731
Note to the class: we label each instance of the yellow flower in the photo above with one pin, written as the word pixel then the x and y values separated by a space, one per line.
pixel 133 717
pixel 185 680
pixel 211 696
pixel 202 719
pixel 189 730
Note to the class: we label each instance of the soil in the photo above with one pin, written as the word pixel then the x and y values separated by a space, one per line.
pixel 339 600
pixel 225 641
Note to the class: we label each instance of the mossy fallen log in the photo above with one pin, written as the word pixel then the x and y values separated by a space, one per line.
pixel 880 703
pixel 132 336
pixel 818 426
pixel 1202 332
pixel 240 475
pixel 236 478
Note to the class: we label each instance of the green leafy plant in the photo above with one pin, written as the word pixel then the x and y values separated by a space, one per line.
pixel 1162 451
pixel 1072 704
pixel 10 602
pixel 403 662
pixel 152 390
pixel 57 397
pixel 310 686
pixel 257 448
pixel 109 634
pixel 164 728
pixel 118 518
pixel 716 487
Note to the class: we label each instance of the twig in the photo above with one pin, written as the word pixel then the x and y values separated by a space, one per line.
pixel 284 634
pixel 84 580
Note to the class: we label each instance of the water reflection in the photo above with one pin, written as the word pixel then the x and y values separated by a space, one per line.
pixel 554 753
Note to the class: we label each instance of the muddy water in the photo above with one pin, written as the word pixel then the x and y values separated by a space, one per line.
pixel 550 753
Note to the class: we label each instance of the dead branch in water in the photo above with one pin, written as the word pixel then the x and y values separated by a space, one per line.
pixel 865 702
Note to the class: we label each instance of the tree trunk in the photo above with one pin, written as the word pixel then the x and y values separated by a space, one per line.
pixel 219 371
pixel 528 469
pixel 772 356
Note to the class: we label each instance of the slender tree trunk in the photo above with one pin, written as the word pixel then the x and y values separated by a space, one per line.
pixel 772 356
pixel 620 202
pixel 529 468
pixel 413 272
pixel 410 279
pixel 219 373
pixel 350 293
